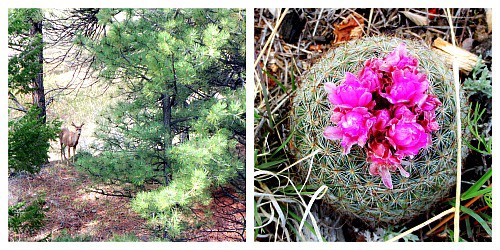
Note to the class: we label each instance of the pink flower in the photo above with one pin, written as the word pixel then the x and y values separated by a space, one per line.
pixel 369 77
pixel 408 138
pixel 349 94
pixel 387 108
pixel 398 59
pixel 352 128
pixel 429 122
pixel 382 119
pixel 384 172
pixel 402 112
pixel 407 88
pixel 383 162
pixel 337 114
pixel 431 103
pixel 380 153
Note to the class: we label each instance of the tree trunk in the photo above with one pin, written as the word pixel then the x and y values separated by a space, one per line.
pixel 39 92
pixel 166 107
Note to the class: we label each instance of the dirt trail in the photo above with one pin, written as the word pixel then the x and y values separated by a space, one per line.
pixel 79 212
pixel 73 207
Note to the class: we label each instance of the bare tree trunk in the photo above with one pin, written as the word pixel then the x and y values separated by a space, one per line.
pixel 167 120
pixel 39 93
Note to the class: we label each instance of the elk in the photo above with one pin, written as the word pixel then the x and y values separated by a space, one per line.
pixel 70 139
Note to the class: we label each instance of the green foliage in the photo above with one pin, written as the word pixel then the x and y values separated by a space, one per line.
pixel 478 218
pixel 28 136
pixel 480 80
pixel 23 66
pixel 179 73
pixel 109 167
pixel 29 141
pixel 125 238
pixel 27 219
pixel 391 232
pixel 198 164
pixel 488 199
pixel 475 190
pixel 478 132
pixel 66 237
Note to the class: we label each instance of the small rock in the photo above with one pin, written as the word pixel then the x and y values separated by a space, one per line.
pixel 467 44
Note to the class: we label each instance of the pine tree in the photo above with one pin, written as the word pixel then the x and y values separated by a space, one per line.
pixel 181 109
pixel 29 131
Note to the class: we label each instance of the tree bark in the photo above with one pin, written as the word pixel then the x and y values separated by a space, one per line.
pixel 39 92
pixel 166 107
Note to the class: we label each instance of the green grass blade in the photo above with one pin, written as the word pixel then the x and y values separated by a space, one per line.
pixel 478 218
pixel 311 187
pixel 275 80
pixel 306 224
pixel 258 220
pixel 477 185
pixel 487 199
pixel 468 227
pixel 283 144
pixel 487 217
pixel 256 114
pixel 270 164
pixel 477 193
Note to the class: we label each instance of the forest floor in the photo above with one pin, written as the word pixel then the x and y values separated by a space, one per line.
pixel 78 213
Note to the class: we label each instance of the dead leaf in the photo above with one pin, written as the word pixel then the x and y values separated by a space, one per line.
pixel 481 33
pixel 417 19
pixel 433 12
pixel 317 48
pixel 356 33
pixel 273 67
pixel 349 28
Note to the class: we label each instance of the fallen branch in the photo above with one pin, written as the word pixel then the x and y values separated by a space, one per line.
pixel 115 193
pixel 466 60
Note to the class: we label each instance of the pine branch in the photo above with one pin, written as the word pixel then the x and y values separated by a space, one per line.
pixel 19 107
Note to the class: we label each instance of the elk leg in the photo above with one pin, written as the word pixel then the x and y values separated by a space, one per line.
pixel 62 152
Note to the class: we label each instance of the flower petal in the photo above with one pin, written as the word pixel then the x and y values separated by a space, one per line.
pixel 386 176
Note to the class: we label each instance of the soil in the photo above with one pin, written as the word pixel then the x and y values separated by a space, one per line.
pixel 75 210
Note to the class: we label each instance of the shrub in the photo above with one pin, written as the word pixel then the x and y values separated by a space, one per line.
pixel 29 141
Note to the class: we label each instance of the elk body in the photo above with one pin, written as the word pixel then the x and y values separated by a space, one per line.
pixel 69 139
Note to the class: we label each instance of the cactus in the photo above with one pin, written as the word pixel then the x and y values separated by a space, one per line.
pixel 351 189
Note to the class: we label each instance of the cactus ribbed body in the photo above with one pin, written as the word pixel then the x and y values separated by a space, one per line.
pixel 351 189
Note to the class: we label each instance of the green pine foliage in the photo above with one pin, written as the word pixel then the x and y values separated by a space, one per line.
pixel 180 75
pixel 23 66
pixel 25 218
pixel 129 150
pixel 66 237
pixel 28 135
pixel 29 141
